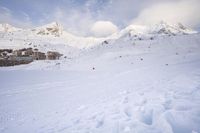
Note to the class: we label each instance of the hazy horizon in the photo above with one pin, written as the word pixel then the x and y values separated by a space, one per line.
pixel 80 17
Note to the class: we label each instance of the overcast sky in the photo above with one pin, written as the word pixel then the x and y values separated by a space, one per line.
pixel 79 16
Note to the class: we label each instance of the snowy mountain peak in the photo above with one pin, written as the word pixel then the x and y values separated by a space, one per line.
pixel 8 28
pixel 162 28
pixel 144 32
pixel 170 29
pixel 50 25
pixel 53 28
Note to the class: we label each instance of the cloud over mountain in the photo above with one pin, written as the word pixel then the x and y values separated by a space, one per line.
pixel 103 28
pixel 184 11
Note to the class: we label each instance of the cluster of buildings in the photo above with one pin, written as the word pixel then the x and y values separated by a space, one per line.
pixel 9 57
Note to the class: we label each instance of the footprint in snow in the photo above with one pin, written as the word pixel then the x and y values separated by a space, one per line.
pixel 124 96
pixel 99 122
pixel 124 100
pixel 167 104
pixel 127 112
pixel 147 117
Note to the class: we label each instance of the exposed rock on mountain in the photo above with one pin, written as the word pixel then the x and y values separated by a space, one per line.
pixel 54 29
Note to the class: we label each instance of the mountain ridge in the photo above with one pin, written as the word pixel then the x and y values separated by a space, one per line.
pixel 56 29
pixel 53 34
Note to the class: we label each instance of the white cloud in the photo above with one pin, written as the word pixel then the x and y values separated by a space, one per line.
pixel 77 22
pixel 184 11
pixel 79 17
pixel 103 28
pixel 6 16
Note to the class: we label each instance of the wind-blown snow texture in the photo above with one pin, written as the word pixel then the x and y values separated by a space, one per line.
pixel 125 86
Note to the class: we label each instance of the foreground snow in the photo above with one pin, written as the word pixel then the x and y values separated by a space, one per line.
pixel 135 87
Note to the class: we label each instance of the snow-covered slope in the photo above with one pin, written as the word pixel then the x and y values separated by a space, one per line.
pixel 120 86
